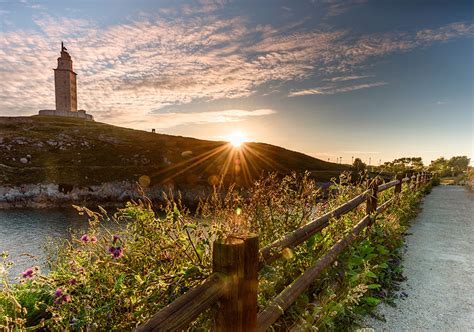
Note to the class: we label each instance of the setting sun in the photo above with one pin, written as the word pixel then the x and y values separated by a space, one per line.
pixel 237 138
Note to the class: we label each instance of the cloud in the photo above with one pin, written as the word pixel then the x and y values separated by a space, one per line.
pixel 330 90
pixel 173 119
pixel 347 78
pixel 338 7
pixel 128 70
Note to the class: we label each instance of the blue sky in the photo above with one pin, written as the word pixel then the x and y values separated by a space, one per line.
pixel 370 79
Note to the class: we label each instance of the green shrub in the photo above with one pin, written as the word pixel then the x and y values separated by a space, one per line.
pixel 118 279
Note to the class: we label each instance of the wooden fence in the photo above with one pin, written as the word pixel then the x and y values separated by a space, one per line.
pixel 237 261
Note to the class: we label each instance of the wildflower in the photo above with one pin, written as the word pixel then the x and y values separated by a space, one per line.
pixel 116 252
pixel 60 297
pixel 28 273
pixel 82 270
pixel 85 238
pixel 93 240
pixel 115 238
pixel 72 282
pixel 58 292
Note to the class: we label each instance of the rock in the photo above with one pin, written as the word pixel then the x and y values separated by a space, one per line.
pixel 186 154
pixel 23 160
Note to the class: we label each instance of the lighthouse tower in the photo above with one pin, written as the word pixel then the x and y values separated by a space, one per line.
pixel 66 90
pixel 65 83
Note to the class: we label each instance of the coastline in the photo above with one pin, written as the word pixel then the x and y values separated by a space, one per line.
pixel 110 194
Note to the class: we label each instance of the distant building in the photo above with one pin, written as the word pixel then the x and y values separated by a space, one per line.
pixel 66 90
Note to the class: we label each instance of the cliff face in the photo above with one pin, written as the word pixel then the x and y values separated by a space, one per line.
pixel 107 194
pixel 61 159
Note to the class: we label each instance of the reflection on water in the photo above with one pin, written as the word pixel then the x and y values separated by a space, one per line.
pixel 28 230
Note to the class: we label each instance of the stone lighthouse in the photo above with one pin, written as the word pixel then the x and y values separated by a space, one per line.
pixel 65 89
pixel 65 83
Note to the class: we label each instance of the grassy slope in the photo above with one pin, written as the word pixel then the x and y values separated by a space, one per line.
pixel 76 152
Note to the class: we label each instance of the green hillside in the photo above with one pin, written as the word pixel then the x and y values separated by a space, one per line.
pixel 71 151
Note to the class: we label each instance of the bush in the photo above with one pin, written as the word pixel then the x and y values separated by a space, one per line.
pixel 117 277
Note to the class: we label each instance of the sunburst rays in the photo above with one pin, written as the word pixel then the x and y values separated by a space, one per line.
pixel 233 162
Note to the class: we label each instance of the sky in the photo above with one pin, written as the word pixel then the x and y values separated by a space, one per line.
pixel 371 79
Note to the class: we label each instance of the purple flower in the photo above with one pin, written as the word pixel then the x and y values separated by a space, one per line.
pixel 58 292
pixel 28 273
pixel 85 238
pixel 93 240
pixel 116 252
pixel 115 238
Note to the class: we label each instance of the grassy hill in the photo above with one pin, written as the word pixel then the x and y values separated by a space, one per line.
pixel 71 151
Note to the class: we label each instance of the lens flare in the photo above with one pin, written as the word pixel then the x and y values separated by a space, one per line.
pixel 237 139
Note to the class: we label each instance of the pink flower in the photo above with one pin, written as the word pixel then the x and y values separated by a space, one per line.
pixel 115 238
pixel 93 240
pixel 72 282
pixel 28 273
pixel 85 238
pixel 82 270
pixel 58 292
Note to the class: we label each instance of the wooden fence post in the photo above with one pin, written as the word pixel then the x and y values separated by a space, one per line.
pixel 371 206
pixel 398 187
pixel 237 257
pixel 413 182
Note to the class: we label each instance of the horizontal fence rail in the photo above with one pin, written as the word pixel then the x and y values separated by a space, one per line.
pixel 237 260
pixel 286 298
pixel 180 313
pixel 273 251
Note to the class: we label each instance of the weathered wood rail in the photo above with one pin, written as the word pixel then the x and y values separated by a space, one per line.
pixel 237 261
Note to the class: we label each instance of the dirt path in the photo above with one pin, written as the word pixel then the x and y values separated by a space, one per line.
pixel 439 265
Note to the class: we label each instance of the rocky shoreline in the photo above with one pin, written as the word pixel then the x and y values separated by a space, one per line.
pixel 108 194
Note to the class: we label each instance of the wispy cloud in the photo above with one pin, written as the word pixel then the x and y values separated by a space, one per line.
pixel 347 78
pixel 173 119
pixel 330 90
pixel 129 69
pixel 338 7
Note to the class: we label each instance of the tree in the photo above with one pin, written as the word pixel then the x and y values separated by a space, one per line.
pixel 451 167
pixel 404 165
pixel 458 164
pixel 358 169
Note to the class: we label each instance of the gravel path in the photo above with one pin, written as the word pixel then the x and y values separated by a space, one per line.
pixel 439 266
